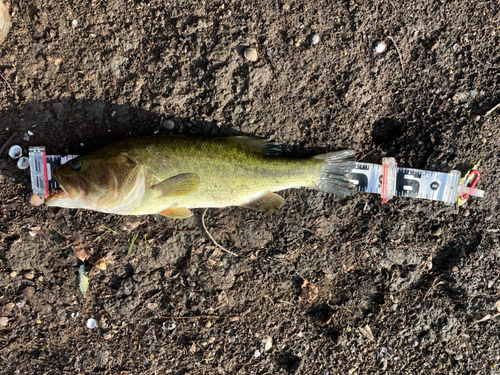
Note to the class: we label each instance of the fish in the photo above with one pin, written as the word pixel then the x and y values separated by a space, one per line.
pixel 172 174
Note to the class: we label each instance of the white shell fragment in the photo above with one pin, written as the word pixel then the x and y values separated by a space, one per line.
pixel 251 54
pixel 23 162
pixel 380 47
pixel 91 323
pixel 75 23
pixel 314 39
pixel 15 152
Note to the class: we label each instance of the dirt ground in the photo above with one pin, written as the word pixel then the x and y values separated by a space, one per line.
pixel 326 285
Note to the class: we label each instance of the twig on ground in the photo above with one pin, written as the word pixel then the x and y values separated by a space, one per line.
pixel 6 143
pixel 492 110
pixel 7 82
pixel 209 235
pixel 399 54
pixel 188 317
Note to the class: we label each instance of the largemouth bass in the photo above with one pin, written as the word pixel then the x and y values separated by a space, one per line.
pixel 168 175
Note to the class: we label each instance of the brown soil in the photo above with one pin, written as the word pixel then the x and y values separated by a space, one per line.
pixel 409 285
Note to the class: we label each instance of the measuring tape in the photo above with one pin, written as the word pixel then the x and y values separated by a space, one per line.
pixel 386 179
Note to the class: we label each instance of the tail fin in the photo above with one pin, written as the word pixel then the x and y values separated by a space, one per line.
pixel 335 177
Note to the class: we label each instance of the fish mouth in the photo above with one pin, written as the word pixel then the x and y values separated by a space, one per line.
pixel 71 185
pixel 57 199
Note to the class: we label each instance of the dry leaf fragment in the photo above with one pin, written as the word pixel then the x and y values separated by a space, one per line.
pixel 267 343
pixel 326 319
pixel 192 348
pixel 309 292
pixel 81 253
pixel 101 264
pixel 366 331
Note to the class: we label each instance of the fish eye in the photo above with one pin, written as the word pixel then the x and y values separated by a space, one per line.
pixel 76 165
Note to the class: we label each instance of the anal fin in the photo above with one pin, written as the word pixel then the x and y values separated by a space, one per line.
pixel 269 202
pixel 176 212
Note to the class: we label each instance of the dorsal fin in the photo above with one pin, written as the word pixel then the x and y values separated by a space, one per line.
pixel 263 145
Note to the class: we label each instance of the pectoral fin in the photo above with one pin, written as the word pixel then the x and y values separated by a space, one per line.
pixel 182 184
pixel 269 202
pixel 176 212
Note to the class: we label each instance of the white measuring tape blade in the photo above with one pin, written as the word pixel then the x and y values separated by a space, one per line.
pixel 409 182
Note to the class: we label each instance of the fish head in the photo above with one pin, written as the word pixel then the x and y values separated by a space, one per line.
pixel 93 182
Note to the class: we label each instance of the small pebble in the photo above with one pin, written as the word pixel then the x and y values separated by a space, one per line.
pixel 251 54
pixel 29 275
pixel 437 232
pixel 75 23
pixel 13 274
pixel 107 336
pixel 91 323
pixel 3 321
pixel 476 117
pixel 256 354
pixel 380 47
pixel 208 324
pixel 169 124
pixel 315 39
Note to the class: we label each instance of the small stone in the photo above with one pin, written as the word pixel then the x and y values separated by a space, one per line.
pixel 169 124
pixel 476 117
pixel 29 275
pixel 466 213
pixel 256 354
pixel 380 47
pixel 437 232
pixel 314 39
pixel 484 140
pixel 234 318
pixel 251 54
pixel 286 7
pixel 151 306
pixel 10 306
pixel 3 321
pixel 74 23
pixel 497 305
pixel 211 339
pixel 208 324
pixel 433 43
pixel 13 274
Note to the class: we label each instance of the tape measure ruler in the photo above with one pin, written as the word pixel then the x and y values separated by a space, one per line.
pixel 387 179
